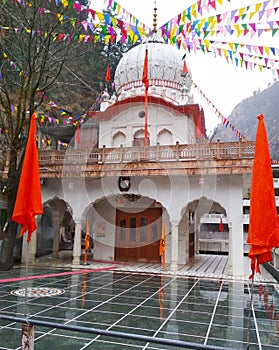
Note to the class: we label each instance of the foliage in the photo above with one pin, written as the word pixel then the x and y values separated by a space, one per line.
pixel 32 58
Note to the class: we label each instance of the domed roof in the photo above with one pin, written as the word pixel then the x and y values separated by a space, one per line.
pixel 164 66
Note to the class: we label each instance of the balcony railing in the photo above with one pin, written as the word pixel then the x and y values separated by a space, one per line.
pixel 188 152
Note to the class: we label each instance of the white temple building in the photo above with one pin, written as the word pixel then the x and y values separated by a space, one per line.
pixel 129 186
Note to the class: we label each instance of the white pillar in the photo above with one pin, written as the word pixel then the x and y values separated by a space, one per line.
pixel 174 245
pixel 235 216
pixel 230 270
pixel 56 236
pixel 77 243
pixel 29 250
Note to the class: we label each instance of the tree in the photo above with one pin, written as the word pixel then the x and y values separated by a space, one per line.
pixel 36 43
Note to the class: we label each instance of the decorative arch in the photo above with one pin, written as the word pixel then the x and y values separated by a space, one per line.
pixel 118 139
pixel 138 138
pixel 165 137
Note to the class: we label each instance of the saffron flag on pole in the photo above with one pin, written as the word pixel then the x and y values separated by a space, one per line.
pixel 162 246
pixel 184 70
pixel 145 70
pixel 263 233
pixel 221 225
pixel 108 74
pixel 87 242
pixel 87 236
pixel 77 134
pixel 29 198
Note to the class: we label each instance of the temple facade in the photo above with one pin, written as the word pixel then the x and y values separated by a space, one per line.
pixel 142 165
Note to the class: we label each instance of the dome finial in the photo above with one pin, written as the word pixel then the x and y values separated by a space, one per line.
pixel 155 18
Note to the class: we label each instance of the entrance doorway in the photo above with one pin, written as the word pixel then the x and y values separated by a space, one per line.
pixel 138 235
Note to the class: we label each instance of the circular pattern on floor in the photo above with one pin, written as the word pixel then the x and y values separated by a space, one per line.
pixel 35 292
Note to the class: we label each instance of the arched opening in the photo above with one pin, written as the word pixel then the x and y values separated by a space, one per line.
pixel 139 138
pixel 126 227
pixel 165 137
pixel 118 139
pixel 198 219
pixel 56 227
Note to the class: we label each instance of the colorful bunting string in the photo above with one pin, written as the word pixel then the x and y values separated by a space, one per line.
pixel 224 120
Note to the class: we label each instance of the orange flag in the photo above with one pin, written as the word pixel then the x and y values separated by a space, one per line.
pixel 108 74
pixel 77 134
pixel 29 199
pixel 162 246
pixel 87 236
pixel 145 70
pixel 263 232
pixel 185 69
pixel 221 225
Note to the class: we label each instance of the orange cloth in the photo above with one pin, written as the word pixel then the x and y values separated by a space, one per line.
pixel 162 247
pixel 185 69
pixel 221 225
pixel 145 70
pixel 108 74
pixel 29 199
pixel 87 236
pixel 263 232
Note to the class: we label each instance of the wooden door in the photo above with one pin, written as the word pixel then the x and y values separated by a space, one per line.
pixel 138 235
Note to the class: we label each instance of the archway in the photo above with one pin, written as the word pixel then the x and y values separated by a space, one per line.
pixel 190 224
pixel 56 228
pixel 126 228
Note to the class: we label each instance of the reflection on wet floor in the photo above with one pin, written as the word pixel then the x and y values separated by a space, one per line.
pixel 198 310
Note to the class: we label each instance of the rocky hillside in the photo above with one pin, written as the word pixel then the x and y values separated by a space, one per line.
pixel 243 117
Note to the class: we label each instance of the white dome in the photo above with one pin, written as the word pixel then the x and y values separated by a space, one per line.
pixel 165 66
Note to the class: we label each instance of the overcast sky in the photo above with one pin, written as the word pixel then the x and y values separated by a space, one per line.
pixel 223 83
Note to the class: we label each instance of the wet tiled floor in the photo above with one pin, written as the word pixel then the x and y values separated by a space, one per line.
pixel 198 310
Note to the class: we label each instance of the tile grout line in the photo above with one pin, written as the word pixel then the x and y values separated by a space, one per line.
pixel 173 311
pixel 128 313
pixel 213 313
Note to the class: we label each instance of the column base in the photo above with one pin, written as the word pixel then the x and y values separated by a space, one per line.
pixel 173 266
pixel 76 260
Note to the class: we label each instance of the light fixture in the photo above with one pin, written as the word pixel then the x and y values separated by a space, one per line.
pixel 124 183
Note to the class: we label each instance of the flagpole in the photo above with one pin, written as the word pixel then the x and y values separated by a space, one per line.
pixel 146 117
pixel 146 83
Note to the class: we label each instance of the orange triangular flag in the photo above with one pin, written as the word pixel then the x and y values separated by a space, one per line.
pixel 263 232
pixel 145 70
pixel 29 198
pixel 162 246
pixel 108 74
pixel 87 236
pixel 77 134
pixel 185 69
pixel 221 225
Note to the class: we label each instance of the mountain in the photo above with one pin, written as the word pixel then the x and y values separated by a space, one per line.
pixel 243 117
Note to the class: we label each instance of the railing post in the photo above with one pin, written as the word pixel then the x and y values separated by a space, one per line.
pixel 177 150
pixel 121 154
pixel 27 336
pixel 103 154
pixel 218 146
pixel 240 148
pixel 157 151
